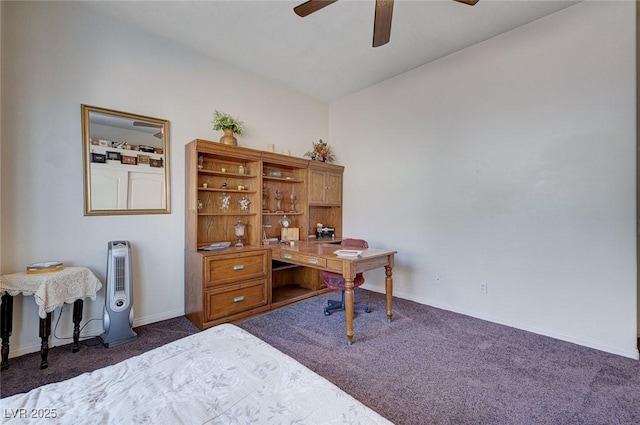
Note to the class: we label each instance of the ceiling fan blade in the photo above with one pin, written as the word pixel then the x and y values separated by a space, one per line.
pixel 158 135
pixel 469 2
pixel 311 6
pixel 382 22
pixel 146 124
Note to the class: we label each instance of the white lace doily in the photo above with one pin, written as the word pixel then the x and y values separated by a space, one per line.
pixel 53 289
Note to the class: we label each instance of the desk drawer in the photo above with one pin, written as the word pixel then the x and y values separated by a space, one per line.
pixel 228 268
pixel 305 260
pixel 222 302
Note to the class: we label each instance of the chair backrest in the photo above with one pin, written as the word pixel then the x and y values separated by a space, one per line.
pixel 335 280
pixel 356 243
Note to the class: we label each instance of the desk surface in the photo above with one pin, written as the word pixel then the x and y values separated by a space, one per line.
pixel 321 256
pixel 327 250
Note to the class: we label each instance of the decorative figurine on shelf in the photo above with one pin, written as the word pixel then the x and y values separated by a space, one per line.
pixel 278 200
pixel 239 229
pixel 200 162
pixel 294 200
pixel 285 222
pixel 225 201
pixel 265 239
pixel 199 205
pixel 244 204
pixel 321 152
pixel 265 198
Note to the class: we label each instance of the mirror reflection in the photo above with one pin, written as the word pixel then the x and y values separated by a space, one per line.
pixel 126 162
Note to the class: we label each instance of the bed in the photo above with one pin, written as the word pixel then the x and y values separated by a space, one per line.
pixel 223 375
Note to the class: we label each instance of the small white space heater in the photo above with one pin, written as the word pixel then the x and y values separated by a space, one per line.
pixel 118 302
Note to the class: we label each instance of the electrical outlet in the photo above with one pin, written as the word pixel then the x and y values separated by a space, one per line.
pixel 483 287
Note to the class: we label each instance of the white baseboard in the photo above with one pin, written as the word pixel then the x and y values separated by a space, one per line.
pixel 157 317
pixel 90 331
pixel 633 354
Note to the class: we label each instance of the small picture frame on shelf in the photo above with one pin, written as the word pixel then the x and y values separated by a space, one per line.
pixel 98 157
pixel 113 156
pixel 158 163
pixel 130 160
pixel 143 159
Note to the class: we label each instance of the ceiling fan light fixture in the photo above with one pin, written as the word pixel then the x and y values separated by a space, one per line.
pixel 311 6
pixel 382 22
pixel 382 19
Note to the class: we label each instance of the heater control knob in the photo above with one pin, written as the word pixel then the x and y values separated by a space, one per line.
pixel 119 303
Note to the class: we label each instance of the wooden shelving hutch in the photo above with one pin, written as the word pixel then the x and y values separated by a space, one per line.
pixel 228 284
pixel 325 195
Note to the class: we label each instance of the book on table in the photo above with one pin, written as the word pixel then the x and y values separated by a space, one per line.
pixel 45 267
pixel 349 253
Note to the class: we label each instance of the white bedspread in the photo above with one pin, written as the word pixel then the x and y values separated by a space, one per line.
pixel 223 375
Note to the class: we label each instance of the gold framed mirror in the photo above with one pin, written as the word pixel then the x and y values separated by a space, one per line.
pixel 126 163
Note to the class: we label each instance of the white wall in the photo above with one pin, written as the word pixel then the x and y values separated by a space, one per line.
pixel 55 57
pixel 512 163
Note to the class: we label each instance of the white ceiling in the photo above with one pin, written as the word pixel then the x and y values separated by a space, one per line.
pixel 328 54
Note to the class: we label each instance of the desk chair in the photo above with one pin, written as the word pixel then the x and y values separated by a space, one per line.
pixel 335 281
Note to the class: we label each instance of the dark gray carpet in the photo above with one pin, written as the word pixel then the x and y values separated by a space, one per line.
pixel 428 366
pixel 431 366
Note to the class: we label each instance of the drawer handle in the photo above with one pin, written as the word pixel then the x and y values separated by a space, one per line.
pixel 286 256
pixel 238 267
pixel 238 299
pixel 313 260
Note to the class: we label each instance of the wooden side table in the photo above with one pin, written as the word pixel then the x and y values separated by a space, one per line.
pixel 50 291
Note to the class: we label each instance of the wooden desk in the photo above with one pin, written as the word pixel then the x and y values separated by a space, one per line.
pixel 50 290
pixel 320 256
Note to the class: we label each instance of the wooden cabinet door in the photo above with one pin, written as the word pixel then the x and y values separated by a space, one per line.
pixel 332 189
pixel 316 187
pixel 325 188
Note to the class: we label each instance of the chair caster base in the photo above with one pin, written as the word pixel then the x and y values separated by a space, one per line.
pixel 338 306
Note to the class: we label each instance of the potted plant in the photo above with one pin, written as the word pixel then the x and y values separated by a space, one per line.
pixel 321 152
pixel 229 125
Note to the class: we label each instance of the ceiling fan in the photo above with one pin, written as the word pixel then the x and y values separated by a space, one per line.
pixel 381 22
pixel 149 124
